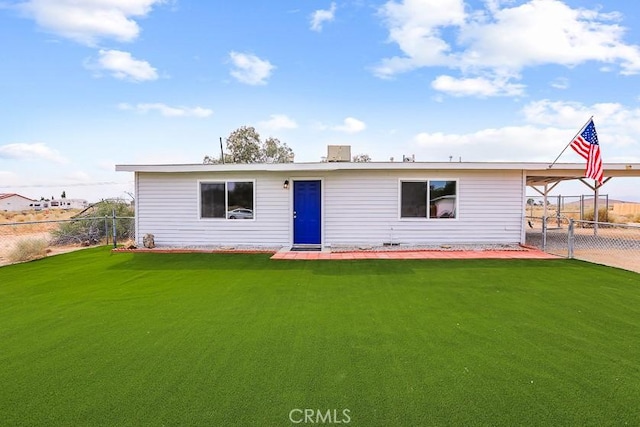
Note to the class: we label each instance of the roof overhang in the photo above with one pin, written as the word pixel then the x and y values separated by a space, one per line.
pixel 536 173
pixel 7 195
pixel 325 166
pixel 567 172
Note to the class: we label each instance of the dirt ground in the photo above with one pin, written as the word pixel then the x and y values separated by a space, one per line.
pixel 16 226
pixel 7 244
pixel 613 258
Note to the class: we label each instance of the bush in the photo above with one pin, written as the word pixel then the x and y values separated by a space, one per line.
pixel 603 215
pixel 91 227
pixel 28 249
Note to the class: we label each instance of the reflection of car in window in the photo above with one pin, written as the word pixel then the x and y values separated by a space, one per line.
pixel 240 213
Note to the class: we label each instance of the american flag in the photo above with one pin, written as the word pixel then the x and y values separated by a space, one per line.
pixel 586 145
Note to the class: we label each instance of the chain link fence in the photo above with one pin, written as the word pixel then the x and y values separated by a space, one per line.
pixel 577 207
pixel 613 244
pixel 616 245
pixel 18 239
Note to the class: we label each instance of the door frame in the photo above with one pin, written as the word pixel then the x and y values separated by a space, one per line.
pixel 292 180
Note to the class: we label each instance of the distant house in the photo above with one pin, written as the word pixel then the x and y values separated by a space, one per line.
pixel 68 204
pixel 343 203
pixel 14 202
pixel 445 207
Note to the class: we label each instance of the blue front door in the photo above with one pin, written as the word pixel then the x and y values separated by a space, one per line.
pixel 306 212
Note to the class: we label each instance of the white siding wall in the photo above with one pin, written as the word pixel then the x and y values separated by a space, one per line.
pixel 364 208
pixel 15 203
pixel 359 207
pixel 167 207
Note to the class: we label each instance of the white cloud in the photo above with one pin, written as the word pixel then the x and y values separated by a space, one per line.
pixel 524 143
pixel 35 151
pixel 78 176
pixel 87 22
pixel 168 111
pixel 551 125
pixel 501 40
pixel 351 125
pixel 414 25
pixel 319 17
pixel 123 66
pixel 560 83
pixel 8 178
pixel 547 32
pixel 250 69
pixel 561 113
pixel 107 165
pixel 476 86
pixel 279 121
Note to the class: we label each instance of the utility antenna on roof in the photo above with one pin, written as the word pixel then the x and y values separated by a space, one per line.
pixel 221 152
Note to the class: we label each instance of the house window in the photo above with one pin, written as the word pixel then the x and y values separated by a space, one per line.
pixel 428 199
pixel 414 199
pixel 442 199
pixel 228 199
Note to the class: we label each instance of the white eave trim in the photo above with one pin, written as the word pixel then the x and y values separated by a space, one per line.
pixel 631 169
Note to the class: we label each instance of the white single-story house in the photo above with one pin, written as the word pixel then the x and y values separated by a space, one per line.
pixel 342 203
pixel 14 202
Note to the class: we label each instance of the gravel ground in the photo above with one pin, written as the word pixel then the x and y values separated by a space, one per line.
pixel 354 248
pixel 452 247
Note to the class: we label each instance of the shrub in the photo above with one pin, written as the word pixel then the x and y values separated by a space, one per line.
pixel 91 228
pixel 28 249
pixel 603 215
pixel 7 216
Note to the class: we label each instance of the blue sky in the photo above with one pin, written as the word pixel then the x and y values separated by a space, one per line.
pixel 89 84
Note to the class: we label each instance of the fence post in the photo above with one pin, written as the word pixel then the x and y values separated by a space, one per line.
pixel 106 228
pixel 113 226
pixel 544 233
pixel 570 238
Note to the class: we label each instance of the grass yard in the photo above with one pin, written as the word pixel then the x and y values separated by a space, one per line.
pixel 95 338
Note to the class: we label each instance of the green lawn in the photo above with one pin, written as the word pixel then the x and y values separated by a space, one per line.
pixel 95 338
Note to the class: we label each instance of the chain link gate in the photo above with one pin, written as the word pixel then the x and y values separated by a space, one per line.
pixel 616 245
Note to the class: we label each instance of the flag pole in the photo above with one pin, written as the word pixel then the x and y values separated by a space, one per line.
pixel 567 146
pixel 596 208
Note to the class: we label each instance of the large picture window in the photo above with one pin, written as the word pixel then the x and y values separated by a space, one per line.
pixel 428 199
pixel 228 199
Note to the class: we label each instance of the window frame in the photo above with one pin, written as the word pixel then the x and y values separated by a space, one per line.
pixel 226 199
pixel 427 216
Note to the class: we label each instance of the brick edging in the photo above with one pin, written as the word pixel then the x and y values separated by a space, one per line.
pixel 193 251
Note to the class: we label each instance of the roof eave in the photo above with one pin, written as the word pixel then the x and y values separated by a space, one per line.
pixel 539 168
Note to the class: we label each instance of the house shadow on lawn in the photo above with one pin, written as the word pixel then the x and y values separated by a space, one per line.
pixel 176 262
pixel 253 262
pixel 193 261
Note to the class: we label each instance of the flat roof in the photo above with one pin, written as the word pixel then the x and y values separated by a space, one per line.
pixel 537 173
pixel 331 166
